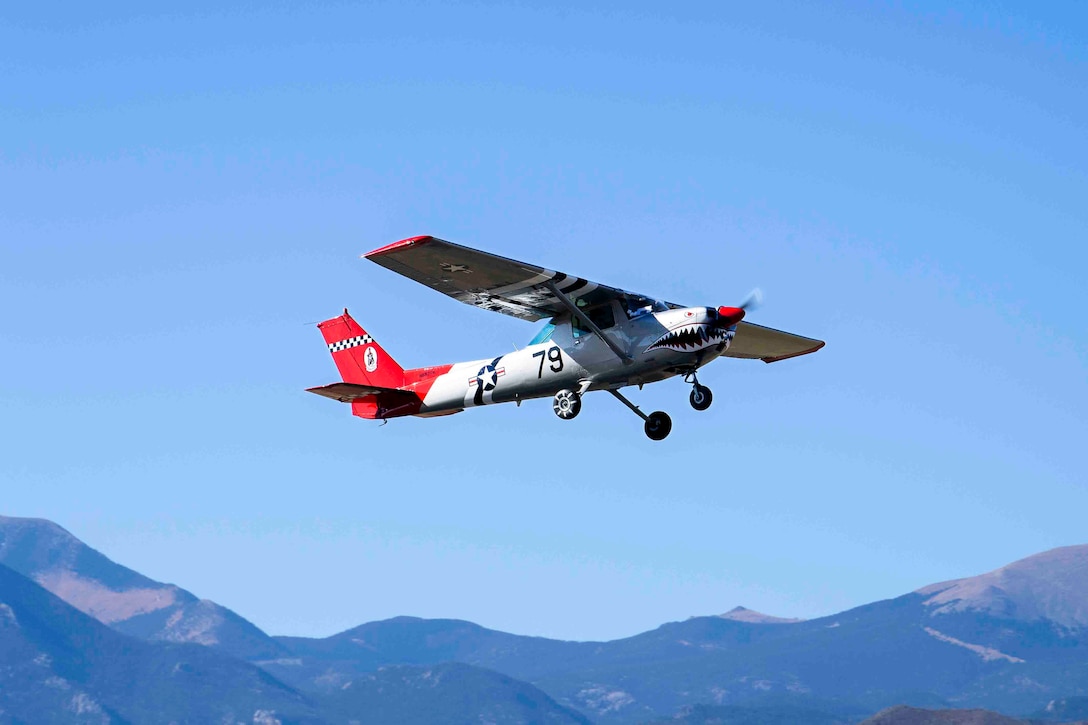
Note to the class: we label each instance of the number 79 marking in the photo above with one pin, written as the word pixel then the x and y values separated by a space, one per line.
pixel 555 357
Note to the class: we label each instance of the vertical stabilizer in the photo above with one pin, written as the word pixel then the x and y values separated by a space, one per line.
pixel 358 357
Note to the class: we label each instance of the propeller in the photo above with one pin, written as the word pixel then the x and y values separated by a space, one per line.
pixel 753 300
pixel 729 316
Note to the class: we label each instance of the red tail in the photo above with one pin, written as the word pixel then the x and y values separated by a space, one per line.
pixel 357 356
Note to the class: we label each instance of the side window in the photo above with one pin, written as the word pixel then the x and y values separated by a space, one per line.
pixel 602 316
pixel 577 329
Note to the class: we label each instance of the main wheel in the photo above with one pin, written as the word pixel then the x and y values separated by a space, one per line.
pixel 658 425
pixel 701 397
pixel 567 404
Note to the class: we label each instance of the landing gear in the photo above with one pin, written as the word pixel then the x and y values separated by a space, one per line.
pixel 701 397
pixel 567 404
pixel 658 424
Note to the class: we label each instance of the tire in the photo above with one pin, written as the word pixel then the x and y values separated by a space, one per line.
pixel 701 397
pixel 567 404
pixel 658 425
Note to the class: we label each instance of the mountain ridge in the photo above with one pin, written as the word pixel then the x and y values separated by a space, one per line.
pixel 1050 585
pixel 990 641
pixel 122 598
pixel 58 664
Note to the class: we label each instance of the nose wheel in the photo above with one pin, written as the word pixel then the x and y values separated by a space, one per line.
pixel 567 404
pixel 700 397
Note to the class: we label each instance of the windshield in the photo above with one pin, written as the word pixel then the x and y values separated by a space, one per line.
pixel 636 305
pixel 544 335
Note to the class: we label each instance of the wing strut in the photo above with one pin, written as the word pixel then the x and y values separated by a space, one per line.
pixel 584 319
pixel 634 408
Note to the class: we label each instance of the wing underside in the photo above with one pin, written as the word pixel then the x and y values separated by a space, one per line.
pixel 527 291
pixel 488 281
pixel 756 342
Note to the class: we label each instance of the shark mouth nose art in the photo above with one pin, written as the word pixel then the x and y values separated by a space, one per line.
pixel 689 338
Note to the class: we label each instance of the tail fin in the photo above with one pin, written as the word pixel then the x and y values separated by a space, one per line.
pixel 357 356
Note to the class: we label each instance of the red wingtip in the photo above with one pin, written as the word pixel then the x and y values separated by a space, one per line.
pixel 397 245
pixel 730 315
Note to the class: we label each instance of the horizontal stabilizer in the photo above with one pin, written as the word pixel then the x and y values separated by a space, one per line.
pixel 757 342
pixel 347 392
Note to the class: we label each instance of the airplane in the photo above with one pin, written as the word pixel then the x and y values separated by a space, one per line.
pixel 596 338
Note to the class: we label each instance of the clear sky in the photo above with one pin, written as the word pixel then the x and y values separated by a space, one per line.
pixel 183 194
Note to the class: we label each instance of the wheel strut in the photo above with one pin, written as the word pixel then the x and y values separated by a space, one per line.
pixel 700 397
pixel 658 424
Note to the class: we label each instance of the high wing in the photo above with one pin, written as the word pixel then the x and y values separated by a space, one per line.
pixel 756 342
pixel 488 281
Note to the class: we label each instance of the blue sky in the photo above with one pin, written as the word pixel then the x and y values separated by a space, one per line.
pixel 185 193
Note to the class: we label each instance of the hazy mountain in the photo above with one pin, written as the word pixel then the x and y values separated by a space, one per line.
pixel 903 715
pixel 451 694
pixel 323 664
pixel 1011 640
pixel 928 648
pixel 1064 710
pixel 737 715
pixel 743 614
pixel 58 665
pixel 125 600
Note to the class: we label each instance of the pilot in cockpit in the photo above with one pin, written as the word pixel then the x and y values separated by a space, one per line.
pixel 637 305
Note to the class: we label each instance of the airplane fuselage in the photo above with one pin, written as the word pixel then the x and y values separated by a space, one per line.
pixel 657 345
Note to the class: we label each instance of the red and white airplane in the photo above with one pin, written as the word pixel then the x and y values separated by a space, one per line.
pixel 597 338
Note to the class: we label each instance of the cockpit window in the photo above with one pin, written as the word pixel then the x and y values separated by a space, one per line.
pixel 544 335
pixel 577 329
pixel 602 316
pixel 637 305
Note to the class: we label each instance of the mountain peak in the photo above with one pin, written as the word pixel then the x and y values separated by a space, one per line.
pixel 1052 585
pixel 115 595
pixel 743 614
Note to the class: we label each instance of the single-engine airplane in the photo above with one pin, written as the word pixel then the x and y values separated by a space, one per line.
pixel 597 338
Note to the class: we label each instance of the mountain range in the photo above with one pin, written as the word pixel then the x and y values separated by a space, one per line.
pixel 125 600
pixel 1013 640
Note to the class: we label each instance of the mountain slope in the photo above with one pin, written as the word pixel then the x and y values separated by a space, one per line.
pixel 903 715
pixel 124 599
pixel 1051 586
pixel 449 693
pixel 735 715
pixel 60 665
pixel 330 662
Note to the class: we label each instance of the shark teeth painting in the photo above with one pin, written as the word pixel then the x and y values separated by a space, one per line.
pixel 689 338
